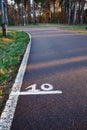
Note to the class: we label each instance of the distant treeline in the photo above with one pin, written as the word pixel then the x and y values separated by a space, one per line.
pixel 21 12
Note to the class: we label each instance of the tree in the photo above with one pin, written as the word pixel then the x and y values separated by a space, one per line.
pixel 29 12
pixel 81 11
pixel 4 16
pixel 75 10
pixel 63 11
pixel 69 12
pixel 72 9
pixel 68 4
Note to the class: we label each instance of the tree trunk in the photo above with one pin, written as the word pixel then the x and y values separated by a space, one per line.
pixel 4 18
pixel 81 12
pixel 54 11
pixel 74 18
pixel 49 16
pixel 69 12
pixel 29 12
pixel 34 18
pixel 21 12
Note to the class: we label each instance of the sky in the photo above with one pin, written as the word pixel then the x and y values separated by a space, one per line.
pixel 12 1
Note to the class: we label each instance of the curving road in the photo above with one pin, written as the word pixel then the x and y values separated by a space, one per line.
pixel 57 63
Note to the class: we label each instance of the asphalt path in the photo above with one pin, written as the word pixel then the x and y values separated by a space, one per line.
pixel 57 63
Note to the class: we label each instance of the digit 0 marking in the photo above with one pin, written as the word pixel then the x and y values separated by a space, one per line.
pixel 46 87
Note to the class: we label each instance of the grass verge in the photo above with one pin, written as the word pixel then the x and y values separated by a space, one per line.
pixel 77 28
pixel 12 49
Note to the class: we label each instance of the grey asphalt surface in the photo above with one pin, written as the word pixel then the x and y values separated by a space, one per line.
pixel 59 58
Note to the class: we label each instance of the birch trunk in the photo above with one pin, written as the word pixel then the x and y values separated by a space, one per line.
pixel 4 18
pixel 81 12
pixel 34 21
pixel 29 12
pixel 69 12
pixel 75 7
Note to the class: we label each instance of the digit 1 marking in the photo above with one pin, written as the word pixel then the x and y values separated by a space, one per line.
pixel 48 88
pixel 33 88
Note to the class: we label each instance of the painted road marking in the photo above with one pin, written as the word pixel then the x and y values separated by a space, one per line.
pixel 46 88
pixel 37 92
pixel 32 88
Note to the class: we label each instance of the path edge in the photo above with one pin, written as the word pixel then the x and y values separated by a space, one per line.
pixel 9 110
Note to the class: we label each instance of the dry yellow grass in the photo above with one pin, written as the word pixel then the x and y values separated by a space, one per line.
pixel 6 40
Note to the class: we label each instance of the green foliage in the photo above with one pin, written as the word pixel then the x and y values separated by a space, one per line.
pixel 10 53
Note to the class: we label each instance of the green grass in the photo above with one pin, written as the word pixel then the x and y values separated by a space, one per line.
pixel 79 28
pixel 11 51
pixel 59 26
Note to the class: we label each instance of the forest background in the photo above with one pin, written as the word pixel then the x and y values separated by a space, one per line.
pixel 25 12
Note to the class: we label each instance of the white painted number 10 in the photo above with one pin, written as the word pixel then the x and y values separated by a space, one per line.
pixel 44 87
